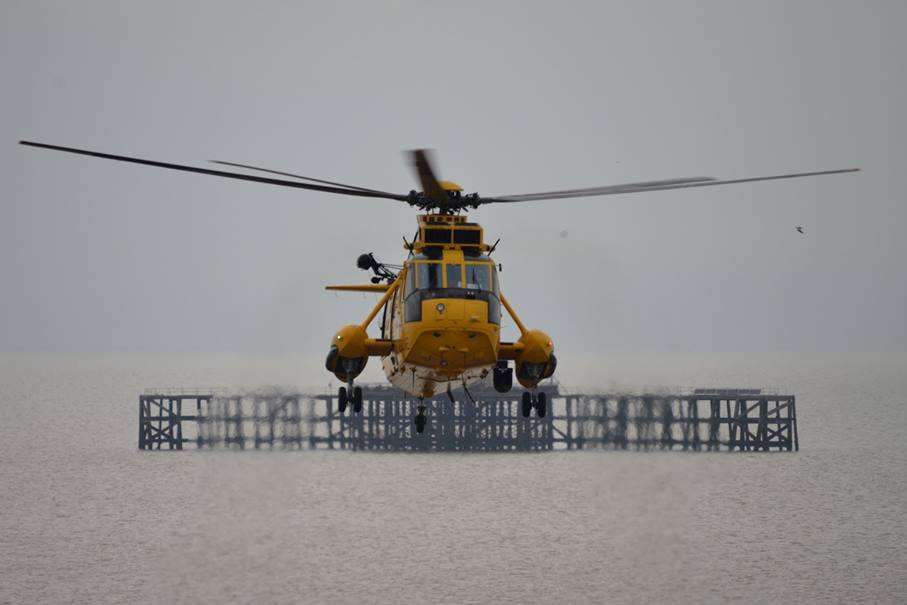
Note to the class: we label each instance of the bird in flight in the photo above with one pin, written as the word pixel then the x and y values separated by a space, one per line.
pixel 800 229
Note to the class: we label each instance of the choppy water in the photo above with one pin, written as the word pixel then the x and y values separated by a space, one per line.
pixel 85 517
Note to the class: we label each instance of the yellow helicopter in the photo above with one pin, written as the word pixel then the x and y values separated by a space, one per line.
pixel 441 309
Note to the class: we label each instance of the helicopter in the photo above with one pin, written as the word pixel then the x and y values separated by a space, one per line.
pixel 442 307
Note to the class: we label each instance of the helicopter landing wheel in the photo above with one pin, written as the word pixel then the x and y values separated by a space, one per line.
pixel 342 399
pixel 420 420
pixel 357 400
pixel 541 405
pixel 527 404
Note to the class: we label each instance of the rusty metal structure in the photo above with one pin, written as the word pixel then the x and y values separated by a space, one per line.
pixel 701 420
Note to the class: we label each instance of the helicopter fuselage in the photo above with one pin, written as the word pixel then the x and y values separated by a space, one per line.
pixel 441 322
pixel 445 321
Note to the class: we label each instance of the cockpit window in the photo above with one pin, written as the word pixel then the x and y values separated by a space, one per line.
pixel 430 279
pixel 429 276
pixel 454 275
pixel 478 277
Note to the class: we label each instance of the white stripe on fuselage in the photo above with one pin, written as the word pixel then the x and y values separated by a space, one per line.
pixel 417 380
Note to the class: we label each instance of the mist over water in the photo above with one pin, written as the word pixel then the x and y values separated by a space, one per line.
pixel 86 517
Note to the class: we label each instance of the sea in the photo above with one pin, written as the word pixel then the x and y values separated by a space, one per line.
pixel 85 517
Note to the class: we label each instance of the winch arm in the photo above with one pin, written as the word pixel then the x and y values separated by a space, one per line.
pixel 387 295
pixel 360 288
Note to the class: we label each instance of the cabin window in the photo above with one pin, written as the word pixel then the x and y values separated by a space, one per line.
pixel 494 280
pixel 454 276
pixel 478 277
pixel 410 279
pixel 429 276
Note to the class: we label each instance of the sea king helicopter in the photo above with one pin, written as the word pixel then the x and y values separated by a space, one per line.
pixel 441 309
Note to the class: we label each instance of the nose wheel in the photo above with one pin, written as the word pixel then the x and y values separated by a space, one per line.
pixel 534 401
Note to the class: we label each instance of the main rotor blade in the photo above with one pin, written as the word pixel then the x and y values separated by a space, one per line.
pixel 430 186
pixel 606 190
pixel 220 173
pixel 651 186
pixel 299 176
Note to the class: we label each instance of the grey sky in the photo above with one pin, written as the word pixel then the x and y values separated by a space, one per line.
pixel 516 97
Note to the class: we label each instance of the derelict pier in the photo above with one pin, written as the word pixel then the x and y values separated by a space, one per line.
pixel 743 420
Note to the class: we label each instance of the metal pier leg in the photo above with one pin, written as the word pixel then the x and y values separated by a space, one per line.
pixel 792 415
pixel 762 434
pixel 714 424
pixel 571 440
pixel 667 424
pixel 623 422
pixel 179 424
pixel 694 420
pixel 142 423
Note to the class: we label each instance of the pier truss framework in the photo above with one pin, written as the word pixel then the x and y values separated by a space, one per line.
pixel 702 420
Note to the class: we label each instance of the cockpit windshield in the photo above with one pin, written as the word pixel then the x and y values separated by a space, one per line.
pixel 435 275
pixel 429 276
pixel 478 277
pixel 454 275
pixel 471 280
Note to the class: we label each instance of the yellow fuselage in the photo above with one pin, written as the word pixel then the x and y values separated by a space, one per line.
pixel 444 321
pixel 441 317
